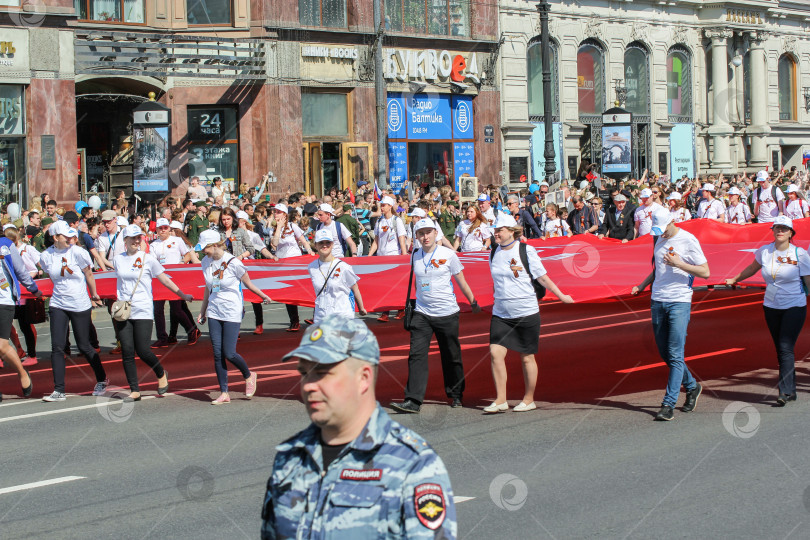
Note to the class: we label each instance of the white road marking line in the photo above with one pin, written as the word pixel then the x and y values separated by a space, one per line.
pixel 41 483
pixel 69 409
pixel 458 499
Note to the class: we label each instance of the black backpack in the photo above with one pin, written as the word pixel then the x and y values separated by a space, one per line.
pixel 539 290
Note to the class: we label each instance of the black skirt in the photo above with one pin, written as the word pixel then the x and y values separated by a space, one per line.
pixel 521 335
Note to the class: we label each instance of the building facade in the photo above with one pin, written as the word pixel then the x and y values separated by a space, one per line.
pixel 712 86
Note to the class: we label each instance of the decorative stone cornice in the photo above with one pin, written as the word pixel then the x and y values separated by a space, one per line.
pixel 718 33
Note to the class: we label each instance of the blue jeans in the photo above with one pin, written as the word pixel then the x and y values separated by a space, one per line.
pixel 223 338
pixel 670 320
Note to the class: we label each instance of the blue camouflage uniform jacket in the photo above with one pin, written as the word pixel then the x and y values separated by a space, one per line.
pixel 387 483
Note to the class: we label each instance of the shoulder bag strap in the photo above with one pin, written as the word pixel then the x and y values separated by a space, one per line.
pixel 327 279
pixel 112 244
pixel 524 258
pixel 135 288
pixel 410 279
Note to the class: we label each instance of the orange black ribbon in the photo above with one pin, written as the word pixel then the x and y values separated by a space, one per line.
pixel 138 263
pixel 65 267
pixel 220 272
pixel 514 267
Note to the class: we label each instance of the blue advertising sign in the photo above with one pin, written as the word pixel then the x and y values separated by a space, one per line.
pixel 463 117
pixel 682 151
pixel 463 160
pixel 429 117
pixel 538 149
pixel 396 117
pixel 397 165
pixel 616 149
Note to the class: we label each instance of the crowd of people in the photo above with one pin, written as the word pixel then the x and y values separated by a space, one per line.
pixel 219 229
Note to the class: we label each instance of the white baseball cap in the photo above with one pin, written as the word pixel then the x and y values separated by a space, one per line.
pixel 281 208
pixel 325 207
pixel 763 176
pixel 646 193
pixel 793 188
pixel 162 222
pixel 483 197
pixel 176 225
pixel 9 226
pixel 504 220
pixel 387 200
pixel 418 212
pixel 60 227
pixel 708 187
pixel 322 235
pixel 784 221
pixel 675 196
pixel 207 238
pixel 660 219
pixel 543 184
pixel 734 191
pixel 131 231
pixel 424 224
pixel 241 214
pixel 121 221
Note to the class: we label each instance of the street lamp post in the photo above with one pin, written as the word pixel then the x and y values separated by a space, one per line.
pixel 544 8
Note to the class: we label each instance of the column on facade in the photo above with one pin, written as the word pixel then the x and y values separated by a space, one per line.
pixel 721 129
pixel 759 129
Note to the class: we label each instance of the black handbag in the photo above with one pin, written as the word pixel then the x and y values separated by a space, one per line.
pixel 410 303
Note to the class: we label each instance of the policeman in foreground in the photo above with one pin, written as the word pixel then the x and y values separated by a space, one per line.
pixel 353 473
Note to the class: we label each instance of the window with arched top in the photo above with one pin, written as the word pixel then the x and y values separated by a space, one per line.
pixel 534 65
pixel 637 79
pixel 679 85
pixel 591 78
pixel 787 89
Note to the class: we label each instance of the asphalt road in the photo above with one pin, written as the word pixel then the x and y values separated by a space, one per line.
pixel 590 463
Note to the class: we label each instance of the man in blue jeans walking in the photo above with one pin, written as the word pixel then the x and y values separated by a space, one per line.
pixel 678 260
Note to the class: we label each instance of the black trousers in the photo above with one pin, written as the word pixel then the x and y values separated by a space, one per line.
pixel 174 323
pixel 785 325
pixel 292 312
pixel 176 311
pixel 446 331
pixel 27 329
pixel 258 313
pixel 60 320
pixel 136 337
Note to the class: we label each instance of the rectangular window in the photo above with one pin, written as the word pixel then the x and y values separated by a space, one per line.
pixel 327 13
pixel 325 115
pixel 214 141
pixel 208 12
pixel 440 17
pixel 118 11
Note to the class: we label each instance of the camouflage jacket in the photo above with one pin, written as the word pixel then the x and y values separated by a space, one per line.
pixel 387 483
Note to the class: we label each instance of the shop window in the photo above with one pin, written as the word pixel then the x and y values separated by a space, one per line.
pixel 441 17
pixel 214 141
pixel 325 115
pixel 208 12
pixel 787 89
pixel 637 79
pixel 127 11
pixel 591 79
pixel 534 60
pixel 679 85
pixel 327 13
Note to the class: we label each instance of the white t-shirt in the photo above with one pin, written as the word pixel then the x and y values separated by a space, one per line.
pixel 711 210
pixel 417 244
pixel 196 193
pixel 739 214
pixel 127 269
pixel 223 278
pixel 557 227
pixel 103 244
pixel 768 208
pixel 782 278
pixel 70 284
pixel 337 297
pixel 256 241
pixel 680 215
pixel 472 241
pixel 432 276
pixel 490 215
pixel 387 237
pixel 796 209
pixel 31 257
pixel 288 242
pixel 673 284
pixel 514 296
pixel 171 251
pixel 337 249
pixel 643 216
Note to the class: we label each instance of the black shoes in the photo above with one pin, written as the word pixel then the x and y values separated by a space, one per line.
pixel 163 389
pixel 456 403
pixel 665 414
pixel 27 391
pixel 784 398
pixel 691 398
pixel 408 406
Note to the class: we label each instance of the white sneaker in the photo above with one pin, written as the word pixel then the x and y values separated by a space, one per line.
pixel 55 396
pixel 497 407
pixel 523 407
pixel 101 387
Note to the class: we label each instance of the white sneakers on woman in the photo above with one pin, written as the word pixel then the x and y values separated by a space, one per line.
pixel 497 407
pixel 524 407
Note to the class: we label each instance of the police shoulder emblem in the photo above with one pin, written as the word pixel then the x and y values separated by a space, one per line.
pixel 429 504
pixel 316 334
